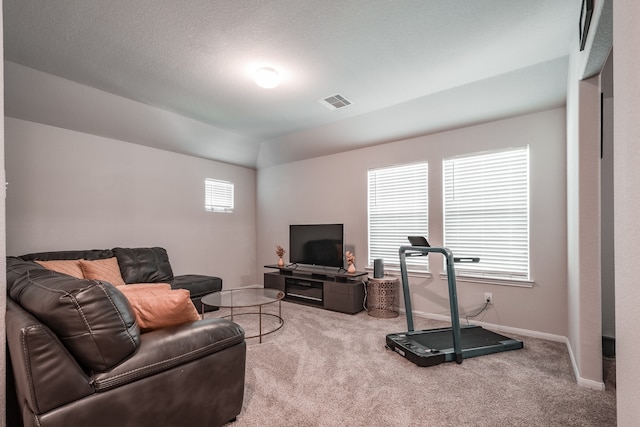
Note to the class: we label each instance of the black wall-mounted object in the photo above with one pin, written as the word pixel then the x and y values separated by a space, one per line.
pixel 586 11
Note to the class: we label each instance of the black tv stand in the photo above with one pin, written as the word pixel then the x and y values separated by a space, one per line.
pixel 331 290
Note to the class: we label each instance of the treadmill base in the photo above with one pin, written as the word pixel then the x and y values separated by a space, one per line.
pixel 434 346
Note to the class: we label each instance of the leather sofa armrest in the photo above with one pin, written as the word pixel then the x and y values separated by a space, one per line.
pixel 163 349
pixel 46 375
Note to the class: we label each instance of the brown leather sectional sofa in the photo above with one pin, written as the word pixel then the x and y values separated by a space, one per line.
pixel 78 358
pixel 142 265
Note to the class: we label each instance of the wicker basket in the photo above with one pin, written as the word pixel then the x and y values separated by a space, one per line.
pixel 383 297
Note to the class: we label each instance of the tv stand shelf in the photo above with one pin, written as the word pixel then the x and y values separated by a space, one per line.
pixel 331 290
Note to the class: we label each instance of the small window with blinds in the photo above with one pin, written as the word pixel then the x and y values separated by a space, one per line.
pixel 486 213
pixel 218 195
pixel 398 207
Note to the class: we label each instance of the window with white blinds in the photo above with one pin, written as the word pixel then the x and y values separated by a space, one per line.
pixel 218 195
pixel 486 212
pixel 398 207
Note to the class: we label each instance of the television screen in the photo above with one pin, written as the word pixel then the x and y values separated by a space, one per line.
pixel 316 244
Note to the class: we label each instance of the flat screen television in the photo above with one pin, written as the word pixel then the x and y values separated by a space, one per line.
pixel 320 245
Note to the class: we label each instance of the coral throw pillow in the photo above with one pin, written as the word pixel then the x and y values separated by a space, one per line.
pixel 133 287
pixel 159 307
pixel 102 269
pixel 69 267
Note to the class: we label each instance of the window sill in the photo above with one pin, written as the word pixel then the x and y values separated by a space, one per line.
pixel 395 272
pixel 492 281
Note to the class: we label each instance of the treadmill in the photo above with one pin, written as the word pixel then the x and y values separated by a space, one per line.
pixel 431 347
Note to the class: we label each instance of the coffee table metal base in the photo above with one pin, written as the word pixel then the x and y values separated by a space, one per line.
pixel 244 298
pixel 260 314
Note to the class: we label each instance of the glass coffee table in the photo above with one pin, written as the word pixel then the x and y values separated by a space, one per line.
pixel 247 297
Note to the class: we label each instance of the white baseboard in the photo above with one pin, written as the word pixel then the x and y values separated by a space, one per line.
pixel 497 328
pixel 596 385
pixel 583 382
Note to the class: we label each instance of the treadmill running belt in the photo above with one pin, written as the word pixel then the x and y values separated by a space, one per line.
pixel 470 337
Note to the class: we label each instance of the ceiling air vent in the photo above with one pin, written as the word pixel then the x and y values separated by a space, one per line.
pixel 335 102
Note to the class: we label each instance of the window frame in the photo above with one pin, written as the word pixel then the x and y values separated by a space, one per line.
pixel 385 214
pixel 520 210
pixel 219 195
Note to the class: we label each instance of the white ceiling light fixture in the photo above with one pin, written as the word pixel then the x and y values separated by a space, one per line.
pixel 267 77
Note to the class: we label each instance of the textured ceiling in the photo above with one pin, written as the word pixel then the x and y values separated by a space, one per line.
pixel 409 67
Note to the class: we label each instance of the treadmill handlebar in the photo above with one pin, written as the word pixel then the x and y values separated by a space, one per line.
pixel 412 251
pixel 424 250
pixel 466 259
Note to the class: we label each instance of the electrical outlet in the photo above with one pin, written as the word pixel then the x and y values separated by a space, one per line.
pixel 488 297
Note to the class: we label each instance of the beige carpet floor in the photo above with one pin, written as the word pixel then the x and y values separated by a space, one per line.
pixel 331 369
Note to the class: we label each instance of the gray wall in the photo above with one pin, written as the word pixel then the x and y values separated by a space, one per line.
pixel 626 69
pixel 584 217
pixel 70 190
pixel 3 278
pixel 334 189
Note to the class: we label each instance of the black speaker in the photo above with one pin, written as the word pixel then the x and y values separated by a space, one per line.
pixel 378 268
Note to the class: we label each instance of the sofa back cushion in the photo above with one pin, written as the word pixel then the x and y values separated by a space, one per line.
pixel 143 265
pixel 89 254
pixel 92 318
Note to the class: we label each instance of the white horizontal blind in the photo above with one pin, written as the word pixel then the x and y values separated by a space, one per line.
pixel 486 212
pixel 218 195
pixel 398 207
